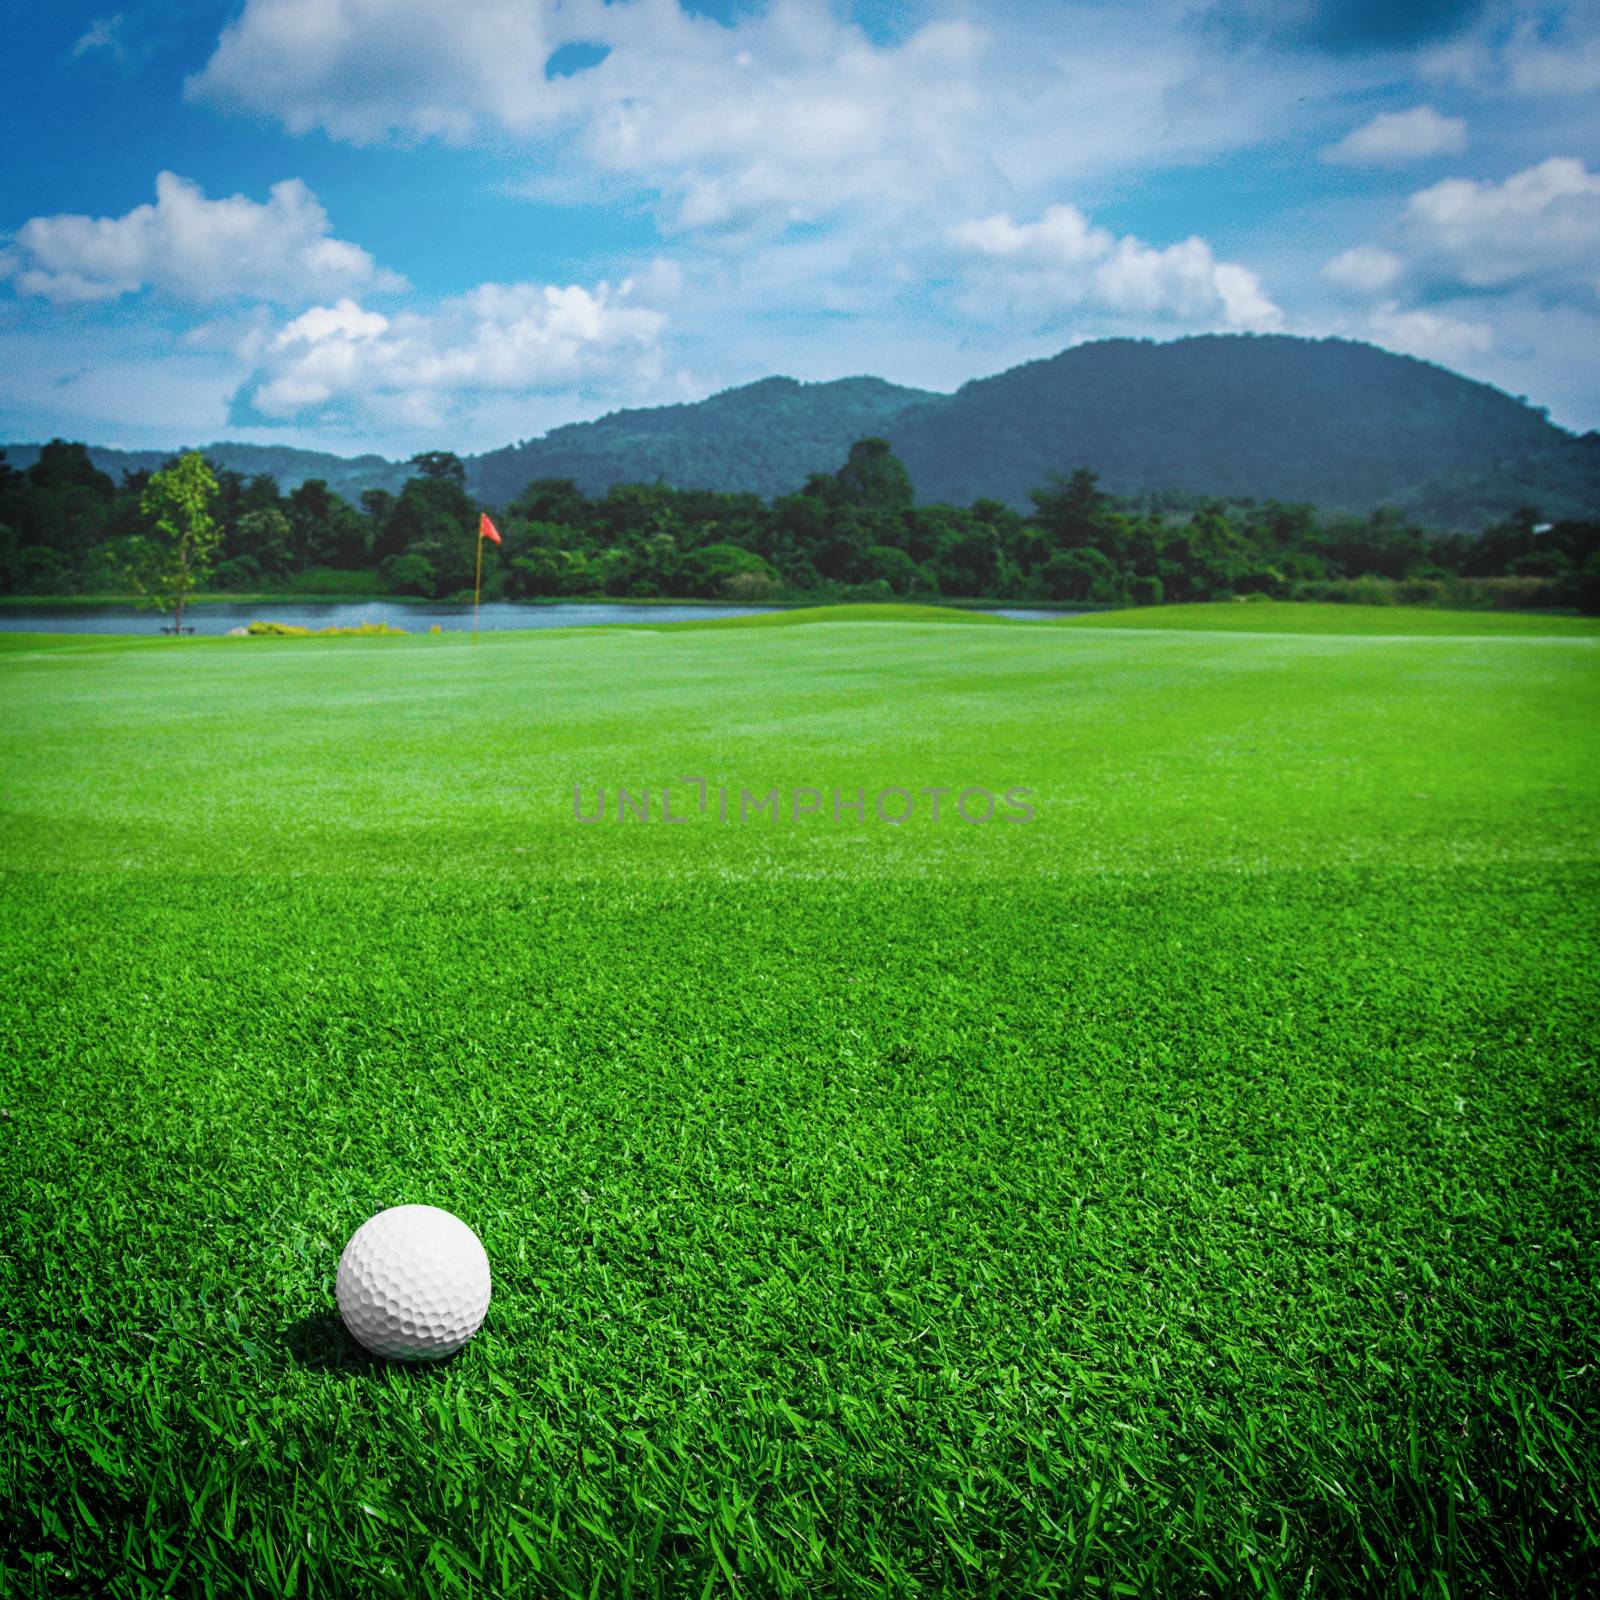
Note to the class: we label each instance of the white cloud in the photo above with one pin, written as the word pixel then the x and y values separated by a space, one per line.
pixel 1538 232
pixel 1550 55
pixel 788 116
pixel 1064 261
pixel 1364 270
pixel 194 249
pixel 805 119
pixel 1541 224
pixel 1499 279
pixel 364 70
pixel 1545 70
pixel 1393 138
pixel 420 368
pixel 1433 335
pixel 790 113
pixel 104 33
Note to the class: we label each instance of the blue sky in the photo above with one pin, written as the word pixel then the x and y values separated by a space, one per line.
pixel 409 224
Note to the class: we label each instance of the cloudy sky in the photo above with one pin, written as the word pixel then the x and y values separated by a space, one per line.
pixel 408 224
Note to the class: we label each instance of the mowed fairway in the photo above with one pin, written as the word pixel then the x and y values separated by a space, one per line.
pixel 1192 1191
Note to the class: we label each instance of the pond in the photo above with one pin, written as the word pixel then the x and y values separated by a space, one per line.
pixel 414 618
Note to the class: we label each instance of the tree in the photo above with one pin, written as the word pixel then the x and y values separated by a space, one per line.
pixel 440 464
pixel 326 530
pixel 971 565
pixel 434 519
pixel 555 500
pixel 409 574
pixel 874 478
pixel 892 565
pixel 266 538
pixel 654 568
pixel 1073 512
pixel 1145 591
pixel 168 563
pixel 542 571
pixel 1204 557
pixel 69 501
pixel 1382 545
pixel 376 504
pixel 65 465
pixel 1084 574
pixel 711 569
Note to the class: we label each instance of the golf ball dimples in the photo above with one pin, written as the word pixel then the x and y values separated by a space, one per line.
pixel 413 1283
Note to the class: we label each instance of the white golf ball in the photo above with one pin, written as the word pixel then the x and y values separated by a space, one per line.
pixel 413 1283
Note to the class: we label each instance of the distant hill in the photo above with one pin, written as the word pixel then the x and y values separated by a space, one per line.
pixel 1238 416
pixel 1253 416
pixel 765 438
pixel 347 475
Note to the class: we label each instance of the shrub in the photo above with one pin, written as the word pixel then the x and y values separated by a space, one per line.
pixel 1540 564
pixel 1370 591
pixel 1516 594
pixel 37 569
pixel 242 572
pixel 1146 591
pixel 410 574
pixel 540 572
pixel 1312 589
pixel 709 570
pixel 1366 591
pixel 1581 589
pixel 890 564
pixel 1266 582
pixel 1082 574
pixel 749 586
pixel 290 630
pixel 1420 591
pixel 336 580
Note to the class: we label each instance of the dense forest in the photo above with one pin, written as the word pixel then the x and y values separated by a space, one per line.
pixel 1328 422
pixel 855 533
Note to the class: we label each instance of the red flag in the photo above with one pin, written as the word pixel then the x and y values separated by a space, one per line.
pixel 486 529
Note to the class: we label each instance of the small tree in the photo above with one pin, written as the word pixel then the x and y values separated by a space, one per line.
pixel 167 564
pixel 440 464
pixel 875 478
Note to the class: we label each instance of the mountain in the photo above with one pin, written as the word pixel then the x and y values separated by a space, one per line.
pixel 346 475
pixel 765 438
pixel 1329 421
pixel 1239 416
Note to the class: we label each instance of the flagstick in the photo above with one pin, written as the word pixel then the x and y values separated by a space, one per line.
pixel 477 584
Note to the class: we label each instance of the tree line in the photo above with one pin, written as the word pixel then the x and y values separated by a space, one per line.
pixel 66 528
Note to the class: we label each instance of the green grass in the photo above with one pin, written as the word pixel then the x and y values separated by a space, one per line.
pixel 1191 1192
pixel 893 611
pixel 1299 616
